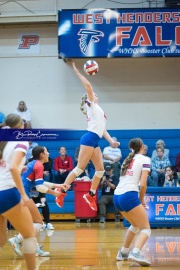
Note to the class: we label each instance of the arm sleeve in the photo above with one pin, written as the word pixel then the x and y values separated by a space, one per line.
pixel 38 173
pixel 22 147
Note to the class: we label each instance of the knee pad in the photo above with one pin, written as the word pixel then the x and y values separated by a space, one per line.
pixel 77 171
pixel 99 174
pixel 147 232
pixel 134 229
pixel 42 188
pixel 37 226
pixel 29 245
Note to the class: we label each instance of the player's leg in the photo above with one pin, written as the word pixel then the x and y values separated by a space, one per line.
pixel 99 172
pixel 3 227
pixel 139 223
pixel 84 156
pixel 21 219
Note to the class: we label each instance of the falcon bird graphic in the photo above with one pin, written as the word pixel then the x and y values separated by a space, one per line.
pixel 88 36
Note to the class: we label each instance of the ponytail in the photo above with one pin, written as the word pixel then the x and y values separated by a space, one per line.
pixel 126 163
pixel 83 101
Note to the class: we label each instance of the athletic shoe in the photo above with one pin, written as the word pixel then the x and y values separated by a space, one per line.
pixel 122 256
pixel 15 244
pixel 102 219
pixel 91 200
pixel 41 253
pixel 49 226
pixel 137 257
pixel 60 199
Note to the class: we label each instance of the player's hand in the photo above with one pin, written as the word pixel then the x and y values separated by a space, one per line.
pixel 25 199
pixel 65 186
pixel 115 143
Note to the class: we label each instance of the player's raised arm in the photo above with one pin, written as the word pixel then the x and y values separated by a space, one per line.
pixel 85 82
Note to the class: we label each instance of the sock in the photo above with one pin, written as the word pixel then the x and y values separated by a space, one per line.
pixel 63 191
pixel 124 250
pixel 92 192
pixel 136 250
pixel 19 237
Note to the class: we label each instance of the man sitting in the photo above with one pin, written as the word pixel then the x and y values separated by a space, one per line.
pixel 108 185
pixel 112 155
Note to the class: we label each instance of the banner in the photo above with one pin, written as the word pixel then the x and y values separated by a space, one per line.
pixel 118 33
pixel 34 134
pixel 163 207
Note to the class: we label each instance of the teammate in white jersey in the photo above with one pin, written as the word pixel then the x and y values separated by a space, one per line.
pixel 129 200
pixel 89 149
pixel 13 198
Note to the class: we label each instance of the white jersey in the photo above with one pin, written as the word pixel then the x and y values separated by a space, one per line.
pixel 111 152
pixel 6 180
pixel 130 181
pixel 24 115
pixel 96 118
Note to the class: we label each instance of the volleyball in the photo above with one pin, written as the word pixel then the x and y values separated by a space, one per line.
pixel 91 67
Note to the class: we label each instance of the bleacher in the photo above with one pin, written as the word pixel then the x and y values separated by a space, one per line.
pixel 70 139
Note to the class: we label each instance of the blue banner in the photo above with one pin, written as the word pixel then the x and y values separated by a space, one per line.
pixel 34 134
pixel 118 33
pixel 163 207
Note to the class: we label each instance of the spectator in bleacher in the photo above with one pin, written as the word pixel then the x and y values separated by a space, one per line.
pixel 171 178
pixel 160 143
pixel 158 165
pixel 108 184
pixel 25 114
pixel 29 151
pixel 112 155
pixel 62 166
pixel 150 182
pixel 2 117
pixel 145 150
pixel 48 175
pixel 178 164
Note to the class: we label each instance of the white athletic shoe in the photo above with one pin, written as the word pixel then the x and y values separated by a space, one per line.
pixel 121 256
pixel 137 257
pixel 49 226
pixel 15 244
pixel 41 253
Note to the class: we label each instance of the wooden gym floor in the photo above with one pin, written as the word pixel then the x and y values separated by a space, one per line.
pixel 94 246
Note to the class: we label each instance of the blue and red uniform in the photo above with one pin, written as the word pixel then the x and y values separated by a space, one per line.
pixel 33 176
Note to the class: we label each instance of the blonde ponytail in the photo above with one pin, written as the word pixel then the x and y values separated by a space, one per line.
pixel 83 101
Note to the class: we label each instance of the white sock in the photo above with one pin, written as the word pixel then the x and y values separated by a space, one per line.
pixel 124 250
pixel 20 238
pixel 94 191
pixel 136 250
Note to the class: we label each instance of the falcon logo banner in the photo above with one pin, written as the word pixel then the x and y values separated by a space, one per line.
pixel 119 33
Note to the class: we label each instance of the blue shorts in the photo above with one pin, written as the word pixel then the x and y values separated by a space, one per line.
pixel 8 199
pixel 127 201
pixel 90 139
